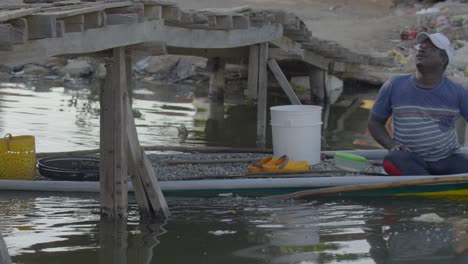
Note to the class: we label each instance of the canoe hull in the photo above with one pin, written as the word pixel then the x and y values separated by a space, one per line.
pixel 258 187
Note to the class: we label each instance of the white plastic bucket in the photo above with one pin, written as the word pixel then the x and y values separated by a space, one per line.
pixel 296 131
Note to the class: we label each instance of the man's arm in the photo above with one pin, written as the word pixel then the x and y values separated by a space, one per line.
pixel 379 132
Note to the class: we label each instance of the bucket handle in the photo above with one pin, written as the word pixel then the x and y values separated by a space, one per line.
pixel 8 138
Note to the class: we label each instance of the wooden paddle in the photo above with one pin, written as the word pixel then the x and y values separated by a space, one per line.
pixel 374 186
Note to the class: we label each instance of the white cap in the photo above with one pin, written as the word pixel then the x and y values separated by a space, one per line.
pixel 439 40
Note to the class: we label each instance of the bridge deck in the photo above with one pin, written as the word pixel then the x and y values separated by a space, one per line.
pixel 33 32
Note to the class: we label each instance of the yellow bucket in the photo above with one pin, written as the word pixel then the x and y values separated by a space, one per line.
pixel 17 157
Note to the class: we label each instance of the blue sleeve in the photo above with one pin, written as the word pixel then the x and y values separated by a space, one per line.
pixel 464 103
pixel 383 106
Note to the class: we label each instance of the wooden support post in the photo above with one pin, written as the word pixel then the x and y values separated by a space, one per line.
pixel 40 27
pixel 317 85
pixel 6 37
pixel 274 67
pixel 252 81
pixel 216 67
pixel 146 183
pixel 262 95
pixel 4 256
pixel 113 167
pixel 130 80
pixel 20 30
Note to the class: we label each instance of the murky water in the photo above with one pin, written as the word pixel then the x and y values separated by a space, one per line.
pixel 66 228
pixel 53 228
pixel 67 118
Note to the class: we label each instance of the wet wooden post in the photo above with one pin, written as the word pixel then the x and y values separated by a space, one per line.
pixel 148 193
pixel 4 255
pixel 216 68
pixel 262 95
pixel 279 75
pixel 113 139
pixel 252 81
pixel 317 78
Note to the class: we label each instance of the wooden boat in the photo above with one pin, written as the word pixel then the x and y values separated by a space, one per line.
pixel 277 184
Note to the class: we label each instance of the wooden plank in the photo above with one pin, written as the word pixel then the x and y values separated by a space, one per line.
pixel 60 27
pixel 89 8
pixel 12 14
pixel 151 186
pixel 20 30
pixel 317 80
pixel 136 8
pixel 142 199
pixel 4 255
pixel 106 172
pixel 171 13
pixel 114 190
pixel 275 68
pixel 240 22
pixel 216 67
pixel 40 26
pixel 223 22
pixel 262 95
pixel 205 39
pixel 120 98
pixel 158 2
pixel 6 37
pixel 122 35
pixel 115 19
pixel 94 20
pixel 153 12
pixel 252 78
pixel 74 23
pixel 232 53
pixel 148 49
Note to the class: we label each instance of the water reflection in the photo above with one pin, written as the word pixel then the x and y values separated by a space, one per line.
pixel 47 228
pixel 65 116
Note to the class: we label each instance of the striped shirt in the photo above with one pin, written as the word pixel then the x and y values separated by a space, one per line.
pixel 423 119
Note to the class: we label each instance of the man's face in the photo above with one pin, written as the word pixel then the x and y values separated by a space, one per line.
pixel 429 55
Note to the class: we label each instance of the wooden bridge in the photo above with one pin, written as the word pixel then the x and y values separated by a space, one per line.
pixel 119 30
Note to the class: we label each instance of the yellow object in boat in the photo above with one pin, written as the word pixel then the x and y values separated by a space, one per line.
pixel 17 157
pixel 367 104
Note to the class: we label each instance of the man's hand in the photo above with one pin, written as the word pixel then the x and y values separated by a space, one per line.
pixel 400 147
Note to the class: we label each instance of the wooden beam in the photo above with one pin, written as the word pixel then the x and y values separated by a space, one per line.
pixel 41 26
pixel 6 15
pixel 317 80
pixel 153 12
pixel 123 35
pixel 94 20
pixel 207 39
pixel 4 256
pixel 74 23
pixel 6 37
pixel 20 30
pixel 262 95
pixel 216 68
pixel 252 78
pixel 171 13
pixel 152 189
pixel 274 67
pixel 148 49
pixel 113 167
pixel 240 52
pixel 116 19
pixel 240 22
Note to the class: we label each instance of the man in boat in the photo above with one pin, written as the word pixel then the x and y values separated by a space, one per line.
pixel 424 106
